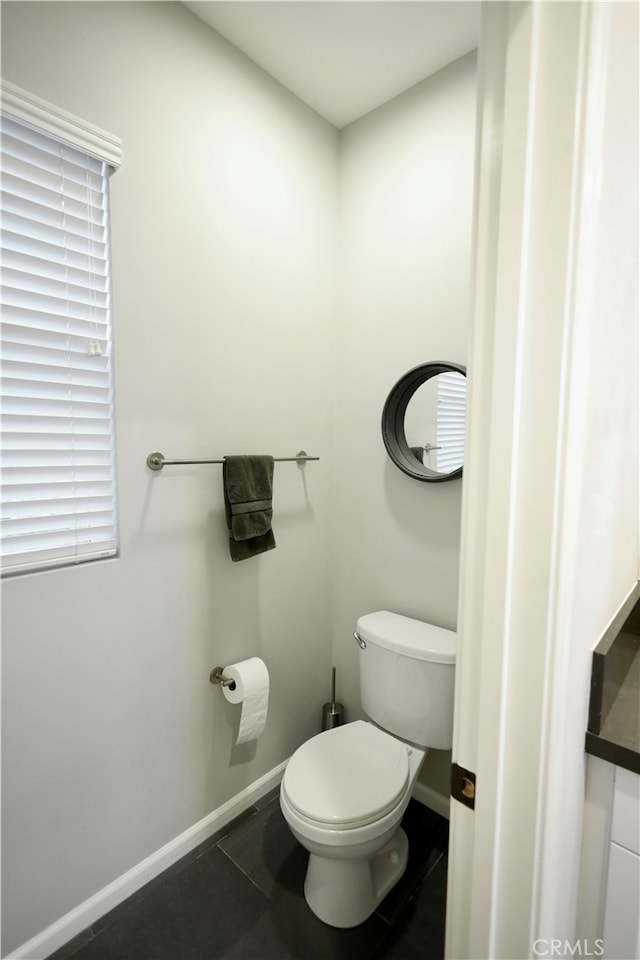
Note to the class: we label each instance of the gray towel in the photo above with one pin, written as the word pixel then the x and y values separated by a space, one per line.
pixel 248 489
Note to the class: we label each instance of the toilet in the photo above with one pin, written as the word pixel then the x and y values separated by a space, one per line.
pixel 344 791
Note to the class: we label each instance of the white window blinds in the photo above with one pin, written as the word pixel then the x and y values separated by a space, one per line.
pixel 450 419
pixel 58 459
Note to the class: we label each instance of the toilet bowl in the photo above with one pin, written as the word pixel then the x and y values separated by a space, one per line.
pixel 345 790
pixel 343 796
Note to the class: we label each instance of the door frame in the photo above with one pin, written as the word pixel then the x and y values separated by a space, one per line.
pixel 523 666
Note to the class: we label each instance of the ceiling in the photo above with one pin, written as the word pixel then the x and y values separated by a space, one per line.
pixel 345 57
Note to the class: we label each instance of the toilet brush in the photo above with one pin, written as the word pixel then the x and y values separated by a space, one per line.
pixel 332 713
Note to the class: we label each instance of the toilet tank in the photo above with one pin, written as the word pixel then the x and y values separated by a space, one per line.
pixel 406 677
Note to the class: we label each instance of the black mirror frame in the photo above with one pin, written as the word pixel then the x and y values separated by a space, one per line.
pixel 393 433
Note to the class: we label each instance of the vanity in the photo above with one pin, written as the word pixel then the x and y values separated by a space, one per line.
pixel 610 882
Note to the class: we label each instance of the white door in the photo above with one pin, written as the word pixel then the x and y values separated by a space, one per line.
pixel 550 498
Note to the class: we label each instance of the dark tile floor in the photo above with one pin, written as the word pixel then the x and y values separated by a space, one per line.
pixel 239 896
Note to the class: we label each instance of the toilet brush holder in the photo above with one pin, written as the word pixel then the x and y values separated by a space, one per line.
pixel 332 712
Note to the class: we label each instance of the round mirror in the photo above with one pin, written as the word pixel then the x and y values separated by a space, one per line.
pixel 423 421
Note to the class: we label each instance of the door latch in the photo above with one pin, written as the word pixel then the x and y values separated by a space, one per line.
pixel 463 785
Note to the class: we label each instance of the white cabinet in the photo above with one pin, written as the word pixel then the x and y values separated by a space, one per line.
pixel 609 891
pixel 625 821
pixel 622 906
pixel 621 932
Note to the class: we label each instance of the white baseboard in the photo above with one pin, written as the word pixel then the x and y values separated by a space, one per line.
pixel 86 913
pixel 432 799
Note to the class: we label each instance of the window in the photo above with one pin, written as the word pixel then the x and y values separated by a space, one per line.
pixel 58 451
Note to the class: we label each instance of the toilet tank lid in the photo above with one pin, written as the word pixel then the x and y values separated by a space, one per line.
pixel 413 638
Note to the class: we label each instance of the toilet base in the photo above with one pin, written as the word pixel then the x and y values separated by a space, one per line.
pixel 343 893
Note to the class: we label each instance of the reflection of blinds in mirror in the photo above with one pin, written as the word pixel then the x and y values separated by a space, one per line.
pixel 452 399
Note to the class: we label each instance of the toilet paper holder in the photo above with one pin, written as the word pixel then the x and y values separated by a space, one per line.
pixel 217 676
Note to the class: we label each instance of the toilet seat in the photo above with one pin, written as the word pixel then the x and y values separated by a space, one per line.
pixel 347 777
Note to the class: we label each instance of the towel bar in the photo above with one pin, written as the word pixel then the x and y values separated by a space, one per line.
pixel 156 461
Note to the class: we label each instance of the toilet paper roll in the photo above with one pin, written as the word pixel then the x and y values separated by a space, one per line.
pixel 251 679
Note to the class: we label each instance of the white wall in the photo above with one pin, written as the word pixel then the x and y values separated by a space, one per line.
pixel 406 208
pixel 605 479
pixel 225 219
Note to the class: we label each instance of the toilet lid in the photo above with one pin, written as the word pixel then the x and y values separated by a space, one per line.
pixel 348 776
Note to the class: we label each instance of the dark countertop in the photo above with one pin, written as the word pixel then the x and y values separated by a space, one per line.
pixel 613 730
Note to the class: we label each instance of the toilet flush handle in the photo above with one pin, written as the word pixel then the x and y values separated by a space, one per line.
pixel 361 642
